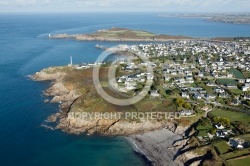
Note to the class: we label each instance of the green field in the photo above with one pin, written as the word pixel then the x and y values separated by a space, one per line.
pixel 202 133
pixel 236 73
pixel 236 153
pixel 204 125
pixel 114 32
pixel 233 116
pixel 235 91
pixel 207 88
pixel 222 147
pixel 240 162
pixel 245 137
pixel 226 81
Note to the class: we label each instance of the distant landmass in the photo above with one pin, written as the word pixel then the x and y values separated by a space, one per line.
pixel 120 34
pixel 124 34
pixel 243 18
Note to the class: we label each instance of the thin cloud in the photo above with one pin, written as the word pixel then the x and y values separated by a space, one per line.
pixel 127 5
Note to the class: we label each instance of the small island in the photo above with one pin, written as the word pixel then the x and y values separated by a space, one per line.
pixel 128 35
pixel 120 34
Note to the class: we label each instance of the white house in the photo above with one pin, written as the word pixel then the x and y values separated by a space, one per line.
pixel 219 127
pixel 238 143
pixel 155 93
pixel 219 90
pixel 221 133
pixel 211 84
pixel 245 88
pixel 185 95
pixel 187 112
pixel 210 96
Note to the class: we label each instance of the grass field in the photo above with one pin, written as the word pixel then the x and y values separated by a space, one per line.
pixel 207 88
pixel 202 133
pixel 226 81
pixel 236 91
pixel 236 153
pixel 205 125
pixel 245 137
pixel 240 162
pixel 236 73
pixel 233 116
pixel 222 147
pixel 117 32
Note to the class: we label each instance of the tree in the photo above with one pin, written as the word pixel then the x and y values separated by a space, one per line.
pixel 187 105
pixel 179 102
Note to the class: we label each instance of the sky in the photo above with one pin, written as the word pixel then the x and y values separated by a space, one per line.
pixel 125 5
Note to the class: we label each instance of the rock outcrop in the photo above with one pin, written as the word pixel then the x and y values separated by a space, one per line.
pixel 66 96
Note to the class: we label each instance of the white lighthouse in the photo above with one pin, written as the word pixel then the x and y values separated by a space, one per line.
pixel 71 61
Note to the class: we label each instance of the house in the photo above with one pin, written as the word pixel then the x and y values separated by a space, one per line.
pixel 189 79
pixel 187 112
pixel 241 80
pixel 141 80
pixel 231 86
pixel 185 95
pixel 222 133
pixel 248 80
pixel 130 85
pixel 247 97
pixel 120 80
pixel 223 95
pixel 211 84
pixel 154 93
pixel 150 77
pixel 219 127
pixel 219 90
pixel 200 74
pixel 238 143
pixel 197 96
pixel 245 88
pixel 210 96
pixel 167 78
pixel 235 102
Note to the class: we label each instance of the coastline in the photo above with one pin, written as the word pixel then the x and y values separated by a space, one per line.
pixel 152 140
pixel 156 146
pixel 70 98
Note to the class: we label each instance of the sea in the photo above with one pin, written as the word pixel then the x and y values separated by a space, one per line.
pixel 25 49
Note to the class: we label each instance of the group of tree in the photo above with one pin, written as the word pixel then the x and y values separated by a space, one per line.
pixel 223 121
pixel 180 102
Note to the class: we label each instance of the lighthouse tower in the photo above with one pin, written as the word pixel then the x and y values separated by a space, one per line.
pixel 71 61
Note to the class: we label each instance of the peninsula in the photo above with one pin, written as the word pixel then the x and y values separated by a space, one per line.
pixel 207 83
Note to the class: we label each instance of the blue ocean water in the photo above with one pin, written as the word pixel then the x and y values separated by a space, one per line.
pixel 25 49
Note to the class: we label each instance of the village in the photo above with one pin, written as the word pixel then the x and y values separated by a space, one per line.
pixel 207 81
pixel 200 76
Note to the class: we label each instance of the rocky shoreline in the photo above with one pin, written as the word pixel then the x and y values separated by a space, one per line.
pixel 157 146
pixel 67 96
pixel 154 139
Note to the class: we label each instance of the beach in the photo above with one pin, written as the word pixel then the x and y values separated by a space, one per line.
pixel 156 146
